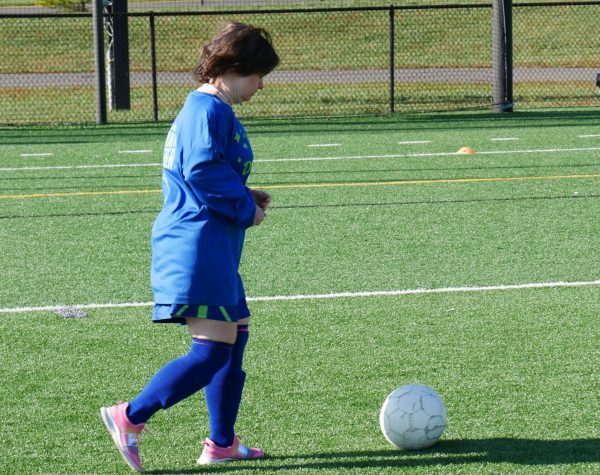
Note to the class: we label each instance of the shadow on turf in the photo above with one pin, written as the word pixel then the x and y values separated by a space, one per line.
pixel 434 202
pixel 446 453
pixel 417 121
pixel 80 134
pixel 24 135
pixel 81 215
pixel 313 206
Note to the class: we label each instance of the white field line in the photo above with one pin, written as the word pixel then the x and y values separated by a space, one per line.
pixel 502 139
pixel 44 154
pixel 414 142
pixel 589 136
pixel 324 145
pixel 73 167
pixel 307 159
pixel 134 151
pixel 376 293
pixel 355 157
pixel 541 150
pixel 431 154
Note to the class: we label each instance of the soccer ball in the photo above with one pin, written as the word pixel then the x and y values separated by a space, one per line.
pixel 413 417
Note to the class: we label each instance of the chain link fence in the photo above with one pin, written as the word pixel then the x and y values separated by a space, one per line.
pixel 335 61
pixel 65 6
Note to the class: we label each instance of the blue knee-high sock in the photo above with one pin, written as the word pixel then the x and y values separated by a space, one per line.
pixel 224 393
pixel 179 379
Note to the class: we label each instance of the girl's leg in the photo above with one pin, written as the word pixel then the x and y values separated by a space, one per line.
pixel 223 396
pixel 224 393
pixel 210 351
pixel 212 342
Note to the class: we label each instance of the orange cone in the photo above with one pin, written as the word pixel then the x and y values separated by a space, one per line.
pixel 466 151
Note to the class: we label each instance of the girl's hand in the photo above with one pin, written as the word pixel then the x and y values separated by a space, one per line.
pixel 259 216
pixel 261 198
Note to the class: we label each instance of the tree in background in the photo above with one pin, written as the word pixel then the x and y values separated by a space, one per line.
pixel 70 5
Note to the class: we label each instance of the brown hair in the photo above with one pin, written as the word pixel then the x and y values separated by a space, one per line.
pixel 238 48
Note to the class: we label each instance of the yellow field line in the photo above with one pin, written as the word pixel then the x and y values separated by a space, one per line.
pixel 80 193
pixel 323 185
pixel 426 182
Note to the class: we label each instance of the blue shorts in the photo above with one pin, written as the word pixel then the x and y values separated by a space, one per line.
pixel 177 313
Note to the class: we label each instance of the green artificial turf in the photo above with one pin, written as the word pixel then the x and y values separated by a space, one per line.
pixel 515 366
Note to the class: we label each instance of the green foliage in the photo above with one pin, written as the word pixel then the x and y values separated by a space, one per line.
pixel 68 5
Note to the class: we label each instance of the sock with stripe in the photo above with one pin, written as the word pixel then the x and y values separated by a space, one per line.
pixel 224 393
pixel 180 379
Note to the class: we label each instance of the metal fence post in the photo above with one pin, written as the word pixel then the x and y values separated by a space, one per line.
pixel 153 64
pixel 502 53
pixel 100 73
pixel 120 78
pixel 392 61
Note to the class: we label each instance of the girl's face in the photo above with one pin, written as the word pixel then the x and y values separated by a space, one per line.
pixel 247 86
pixel 238 88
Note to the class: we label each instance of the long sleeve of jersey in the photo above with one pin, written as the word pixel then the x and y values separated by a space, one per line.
pixel 217 186
pixel 209 175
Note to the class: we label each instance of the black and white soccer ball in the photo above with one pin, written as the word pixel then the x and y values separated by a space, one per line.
pixel 413 417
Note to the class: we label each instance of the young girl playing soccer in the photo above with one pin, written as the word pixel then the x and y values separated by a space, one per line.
pixel 197 242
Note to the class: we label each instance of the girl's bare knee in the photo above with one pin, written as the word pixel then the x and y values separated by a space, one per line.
pixel 214 330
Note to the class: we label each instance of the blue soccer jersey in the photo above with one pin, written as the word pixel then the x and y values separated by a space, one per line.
pixel 198 236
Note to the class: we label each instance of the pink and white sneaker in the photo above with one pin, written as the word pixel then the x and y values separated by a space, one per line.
pixel 125 435
pixel 212 453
